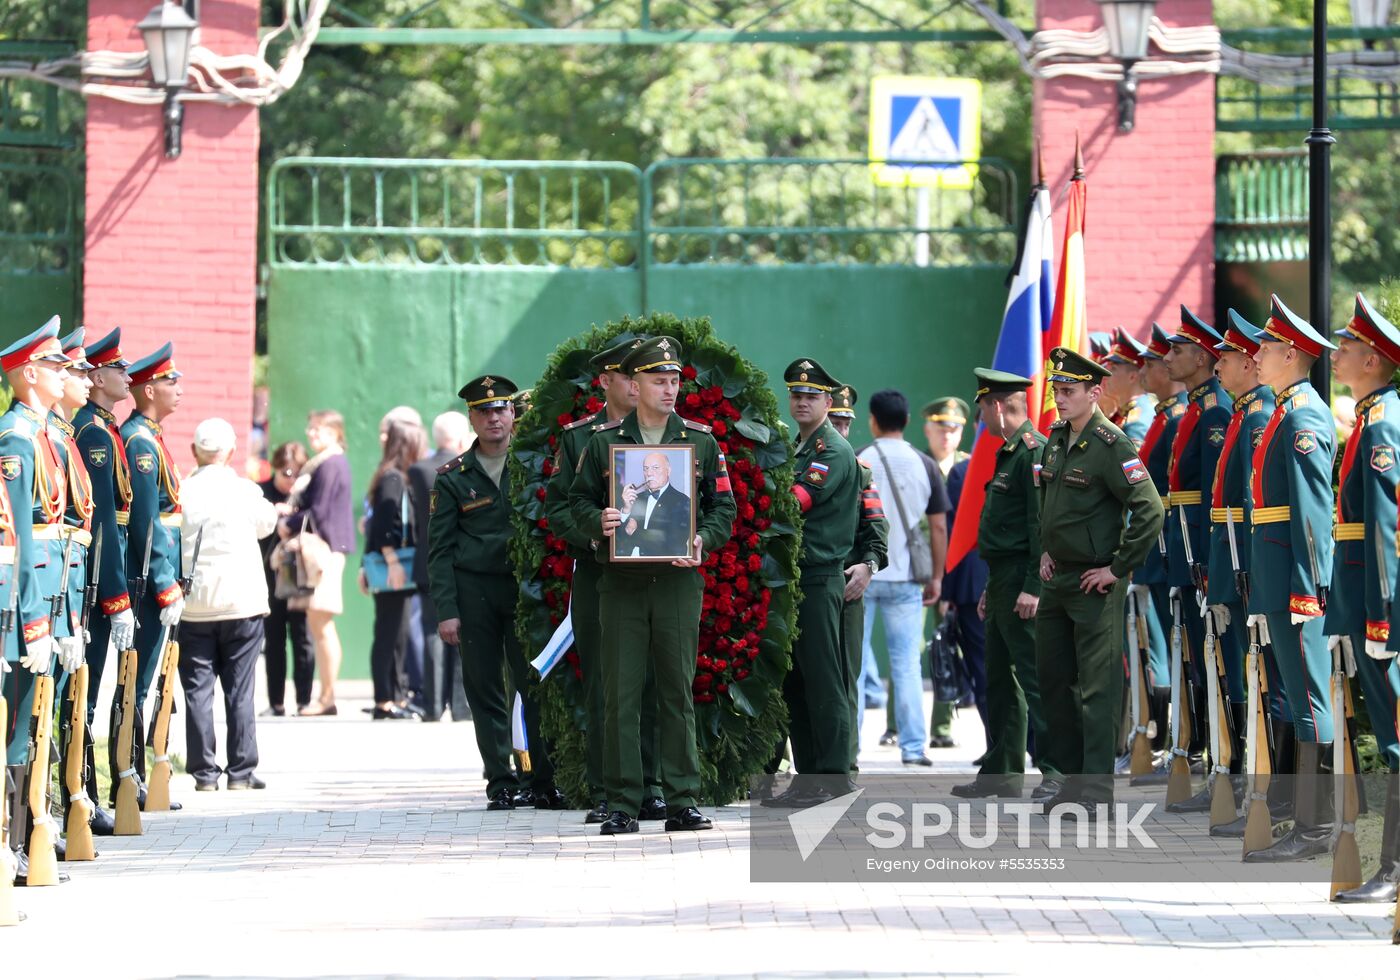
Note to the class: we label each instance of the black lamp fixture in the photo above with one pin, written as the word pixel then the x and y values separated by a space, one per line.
pixel 168 31
pixel 1127 22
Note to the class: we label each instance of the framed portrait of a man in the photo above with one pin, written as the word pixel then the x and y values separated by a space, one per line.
pixel 654 487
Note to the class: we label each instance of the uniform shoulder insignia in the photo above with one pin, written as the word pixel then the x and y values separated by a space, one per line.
pixel 1106 434
pixel 1059 423
pixel 1298 400
pixel 1376 413
pixel 580 422
pixel 1209 401
pixel 1178 409
pixel 697 426
pixel 608 425
pixel 865 463
pixel 1029 438
pixel 451 464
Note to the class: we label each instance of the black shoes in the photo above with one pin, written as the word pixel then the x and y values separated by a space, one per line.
pixel 523 797
pixel 252 782
pixel 942 742
pixel 502 799
pixel 551 799
pixel 799 797
pixel 1199 803
pixel 981 788
pixel 206 785
pixel 1382 885
pixel 653 808
pixel 598 814
pixel 618 823
pixel 689 819
pixel 101 824
pixel 1047 790
pixel 891 737
pixel 917 760
pixel 393 713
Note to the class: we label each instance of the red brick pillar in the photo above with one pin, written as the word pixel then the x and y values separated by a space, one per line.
pixel 171 245
pixel 1150 225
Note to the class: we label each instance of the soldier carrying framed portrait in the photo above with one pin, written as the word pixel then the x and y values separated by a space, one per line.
pixel 654 487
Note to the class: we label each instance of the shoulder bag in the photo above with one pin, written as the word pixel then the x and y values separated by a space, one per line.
pixel 920 557
pixel 376 566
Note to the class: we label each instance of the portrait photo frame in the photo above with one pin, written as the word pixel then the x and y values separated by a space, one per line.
pixel 655 488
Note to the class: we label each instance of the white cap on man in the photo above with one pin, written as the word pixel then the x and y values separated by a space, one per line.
pixel 214 436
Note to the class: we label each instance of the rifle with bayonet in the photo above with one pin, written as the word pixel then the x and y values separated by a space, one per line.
pixel 43 862
pixel 9 915
pixel 127 818
pixel 1183 699
pixel 74 732
pixel 158 790
pixel 1258 744
pixel 1219 725
pixel 1140 750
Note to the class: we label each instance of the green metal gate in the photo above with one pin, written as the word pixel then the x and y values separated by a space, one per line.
pixel 40 246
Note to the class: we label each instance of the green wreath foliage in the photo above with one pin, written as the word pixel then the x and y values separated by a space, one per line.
pixel 750 605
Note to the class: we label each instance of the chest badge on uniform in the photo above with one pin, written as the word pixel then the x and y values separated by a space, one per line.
pixel 1382 458
pixel 472 493
pixel 1134 470
pixel 1305 442
pixel 97 456
pixel 9 467
pixel 145 463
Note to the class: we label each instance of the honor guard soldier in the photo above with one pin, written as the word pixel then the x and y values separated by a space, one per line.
pixel 1291 565
pixel 475 592
pixel 651 611
pixel 12 781
pixel 1008 539
pixel 619 399
pixel 1099 517
pixel 35 481
pixel 1125 361
pixel 1196 446
pixel 1230 508
pixel 1364 571
pixel 155 514
pixel 1153 595
pixel 827 488
pixel 102 452
pixel 869 554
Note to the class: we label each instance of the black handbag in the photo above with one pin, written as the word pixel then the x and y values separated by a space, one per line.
pixel 945 662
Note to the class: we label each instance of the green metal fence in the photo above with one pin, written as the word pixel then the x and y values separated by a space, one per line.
pixel 31 112
pixel 40 245
pixel 1261 207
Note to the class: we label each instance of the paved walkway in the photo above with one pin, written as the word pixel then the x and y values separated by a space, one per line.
pixel 370 854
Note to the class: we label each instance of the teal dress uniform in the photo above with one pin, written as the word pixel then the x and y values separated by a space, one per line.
pixel 76 533
pixel 155 512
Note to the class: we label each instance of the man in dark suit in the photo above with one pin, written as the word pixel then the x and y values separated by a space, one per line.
pixel 656 516
pixel 442 667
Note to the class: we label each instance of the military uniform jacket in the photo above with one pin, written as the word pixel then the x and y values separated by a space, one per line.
pixel 1291 490
pixel 1009 530
pixel 103 454
pixel 571 443
pixel 827 489
pixel 1088 483
pixel 1155 452
pixel 1200 435
pixel 155 504
pixel 469 528
pixel 78 514
pixel 35 480
pixel 1366 513
pixel 7 560
pixel 714 500
pixel 873 530
pixel 1137 419
pixel 1230 488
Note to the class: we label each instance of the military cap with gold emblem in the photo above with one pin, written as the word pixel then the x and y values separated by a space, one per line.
pixel 1100 345
pixel 653 356
pixel 1286 327
pixel 1196 331
pixel 1157 344
pixel 611 359
pixel 843 402
pixel 73 350
pixel 806 375
pixel 1068 366
pixel 488 391
pixel 1371 328
pixel 41 345
pixel 1240 335
pixel 107 352
pixel 991 382
pixel 947 411
pixel 155 367
pixel 1126 350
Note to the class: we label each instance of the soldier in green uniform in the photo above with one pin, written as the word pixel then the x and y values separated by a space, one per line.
pixel 619 399
pixel 650 611
pixel 869 554
pixel 1367 356
pixel 945 420
pixel 1008 539
pixel 827 489
pixel 1100 515
pixel 1291 565
pixel 474 590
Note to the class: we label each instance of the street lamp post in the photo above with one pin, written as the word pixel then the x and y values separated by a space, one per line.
pixel 168 32
pixel 1127 22
pixel 1319 142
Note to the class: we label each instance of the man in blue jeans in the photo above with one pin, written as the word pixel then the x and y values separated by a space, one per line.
pixel 909 496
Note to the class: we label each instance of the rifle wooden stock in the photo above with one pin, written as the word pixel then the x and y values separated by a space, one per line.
pixel 1179 776
pixel 9 915
pixel 1140 753
pixel 158 789
pixel 1222 794
pixel 43 862
pixel 1395 927
pixel 127 818
pixel 1258 827
pixel 1346 859
pixel 78 818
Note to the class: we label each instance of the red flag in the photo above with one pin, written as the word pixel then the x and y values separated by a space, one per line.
pixel 1070 324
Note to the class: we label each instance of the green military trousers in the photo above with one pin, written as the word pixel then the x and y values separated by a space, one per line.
pixel 588 641
pixel 819 688
pixel 649 618
pixel 1080 668
pixel 1013 684
pixel 852 640
pixel 491 651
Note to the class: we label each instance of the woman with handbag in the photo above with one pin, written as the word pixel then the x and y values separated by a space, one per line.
pixel 386 569
pixel 283 623
pixel 320 532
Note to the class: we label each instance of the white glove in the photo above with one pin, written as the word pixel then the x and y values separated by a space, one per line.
pixel 1142 593
pixel 38 654
pixel 1298 619
pixel 1255 619
pixel 123 629
pixel 170 615
pixel 1375 649
pixel 1333 643
pixel 1221 613
pixel 70 652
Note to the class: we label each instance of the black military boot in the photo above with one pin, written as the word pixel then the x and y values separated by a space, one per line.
pixel 102 824
pixel 1381 887
pixel 1285 763
pixel 19 813
pixel 1311 834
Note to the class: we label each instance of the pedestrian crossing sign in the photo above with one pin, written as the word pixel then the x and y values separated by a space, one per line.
pixel 933 123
